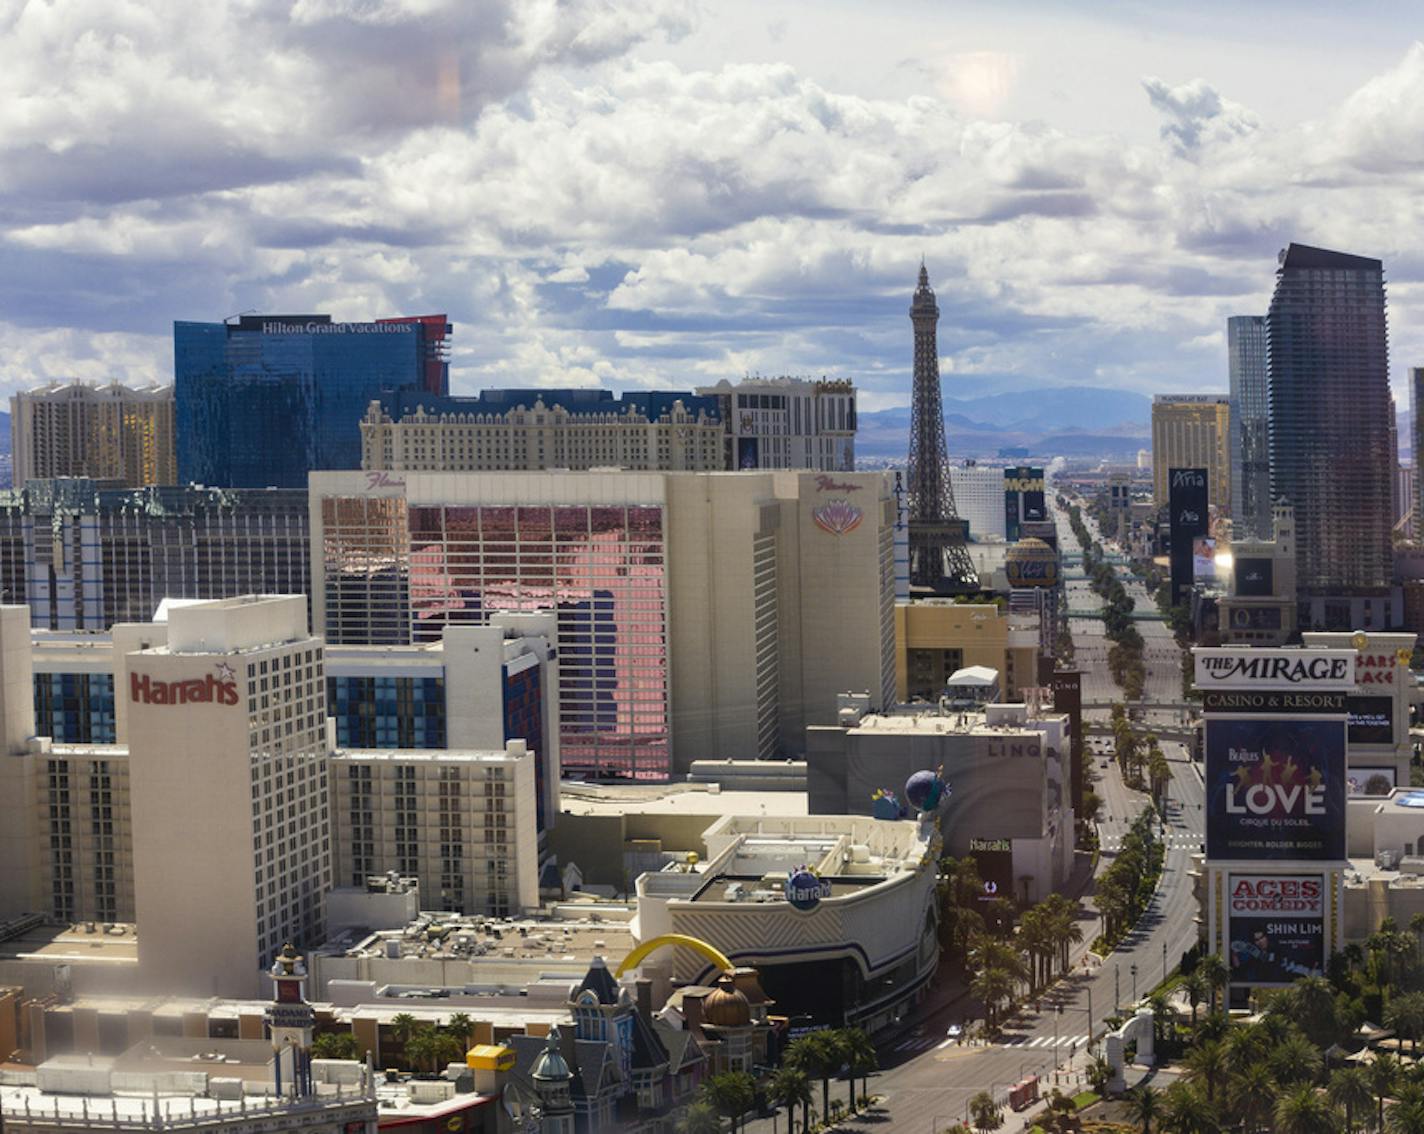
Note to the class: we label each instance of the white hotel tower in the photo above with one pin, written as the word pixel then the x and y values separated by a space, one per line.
pixel 228 790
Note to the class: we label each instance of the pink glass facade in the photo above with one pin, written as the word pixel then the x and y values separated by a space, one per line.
pixel 403 578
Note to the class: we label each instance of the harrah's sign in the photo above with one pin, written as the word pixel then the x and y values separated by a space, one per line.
pixel 209 690
pixel 1228 668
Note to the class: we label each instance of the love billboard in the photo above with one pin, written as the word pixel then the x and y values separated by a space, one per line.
pixel 1275 789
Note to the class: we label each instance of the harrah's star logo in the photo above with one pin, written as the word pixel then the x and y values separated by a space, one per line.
pixel 216 689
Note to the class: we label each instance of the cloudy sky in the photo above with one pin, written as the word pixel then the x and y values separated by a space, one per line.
pixel 669 192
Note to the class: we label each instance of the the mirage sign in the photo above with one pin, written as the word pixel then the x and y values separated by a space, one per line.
pixel 1248 668
pixel 1275 788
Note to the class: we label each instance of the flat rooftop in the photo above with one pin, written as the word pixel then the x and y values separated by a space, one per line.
pixel 469 938
pixel 968 723
pixel 678 799
pixel 56 944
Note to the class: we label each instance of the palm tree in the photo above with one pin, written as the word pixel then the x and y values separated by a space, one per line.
pixel 1349 1089
pixel 335 1045
pixel 819 1056
pixel 1214 972
pixel 1036 938
pixel 1195 986
pixel 403 1026
pixel 1099 1074
pixel 987 952
pixel 1144 1106
pixel 1416 927
pixel 1304 1110
pixel 732 1093
pixel 1208 1064
pixel 791 1088
pixel 984 1112
pixel 1251 1093
pixel 1164 1016
pixel 1383 1074
pixel 1185 1110
pixel 1064 929
pixel 420 1048
pixel 992 987
pixel 699 1118
pixel 1406 1117
pixel 860 1055
pixel 1295 1061
pixel 460 1026
pixel 1405 1015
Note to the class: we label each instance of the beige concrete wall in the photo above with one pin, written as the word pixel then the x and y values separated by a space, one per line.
pixel 711 523
pixel 844 593
pixel 979 630
pixel 190 781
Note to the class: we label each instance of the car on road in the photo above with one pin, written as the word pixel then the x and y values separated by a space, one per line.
pixel 955 1031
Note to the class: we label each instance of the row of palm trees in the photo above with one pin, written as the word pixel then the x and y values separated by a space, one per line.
pixel 1125 888
pixel 820 1055
pixel 1271 1074
pixel 1030 962
pixel 1138 755
pixel 423 1047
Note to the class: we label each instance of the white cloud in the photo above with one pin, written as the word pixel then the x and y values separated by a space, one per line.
pixel 587 213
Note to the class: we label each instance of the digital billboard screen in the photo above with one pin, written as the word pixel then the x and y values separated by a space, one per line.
pixel 1187 518
pixel 1203 560
pixel 1370 781
pixel 1277 927
pixel 1371 719
pixel 1255 577
pixel 994 859
pixel 1023 498
pixel 1275 788
pixel 748 456
pixel 1255 618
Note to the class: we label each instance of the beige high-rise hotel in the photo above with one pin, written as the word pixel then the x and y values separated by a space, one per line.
pixel 110 432
pixel 1192 431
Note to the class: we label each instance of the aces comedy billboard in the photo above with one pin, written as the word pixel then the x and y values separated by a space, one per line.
pixel 1275 788
pixel 1277 926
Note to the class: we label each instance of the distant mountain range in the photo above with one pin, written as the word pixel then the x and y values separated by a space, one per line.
pixel 1050 421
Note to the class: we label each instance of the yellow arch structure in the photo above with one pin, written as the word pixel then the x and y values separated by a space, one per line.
pixel 696 944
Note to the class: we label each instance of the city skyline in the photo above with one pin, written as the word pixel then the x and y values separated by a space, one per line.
pixel 652 196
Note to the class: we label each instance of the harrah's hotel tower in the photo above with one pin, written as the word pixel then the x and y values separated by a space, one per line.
pixel 228 789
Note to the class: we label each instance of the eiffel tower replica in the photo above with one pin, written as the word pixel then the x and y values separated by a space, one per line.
pixel 939 559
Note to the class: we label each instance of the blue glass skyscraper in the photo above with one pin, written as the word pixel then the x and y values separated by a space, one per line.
pixel 265 400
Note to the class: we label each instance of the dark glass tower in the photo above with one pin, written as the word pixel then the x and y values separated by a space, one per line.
pixel 938 557
pixel 1328 360
pixel 1250 427
pixel 265 400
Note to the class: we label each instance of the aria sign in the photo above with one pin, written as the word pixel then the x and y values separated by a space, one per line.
pixel 218 689
pixel 805 889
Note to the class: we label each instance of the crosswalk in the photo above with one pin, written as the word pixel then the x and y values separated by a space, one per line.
pixel 1046 1041
pixel 922 1043
pixel 925 1042
pixel 1110 844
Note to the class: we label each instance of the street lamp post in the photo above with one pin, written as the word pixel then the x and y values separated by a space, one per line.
pixel 1164 961
pixel 1133 970
pixel 1117 987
